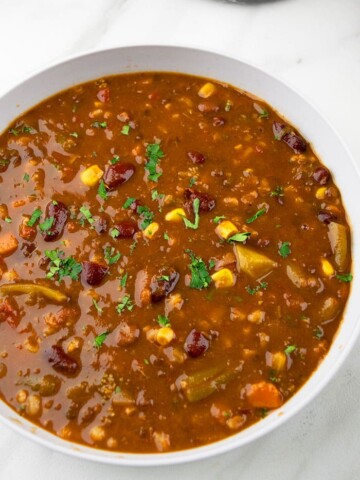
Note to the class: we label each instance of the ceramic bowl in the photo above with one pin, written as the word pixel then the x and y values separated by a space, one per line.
pixel 292 106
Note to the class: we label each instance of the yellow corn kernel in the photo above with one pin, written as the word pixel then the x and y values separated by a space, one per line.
pixel 91 175
pixel 225 229
pixel 278 361
pixel 238 146
pixel 151 230
pixel 320 193
pixel 175 215
pixel 207 90
pixel 165 335
pixel 224 278
pixel 327 268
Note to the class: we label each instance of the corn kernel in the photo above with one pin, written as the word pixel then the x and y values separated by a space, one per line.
pixel 320 193
pixel 278 361
pixel 151 230
pixel 91 175
pixel 207 90
pixel 97 434
pixel 225 229
pixel 165 335
pixel 224 278
pixel 327 268
pixel 175 215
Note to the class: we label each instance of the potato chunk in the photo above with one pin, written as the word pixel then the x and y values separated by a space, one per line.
pixel 252 263
pixel 339 244
pixel 8 244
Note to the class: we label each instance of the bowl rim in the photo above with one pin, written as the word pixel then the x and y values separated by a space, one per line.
pixel 16 422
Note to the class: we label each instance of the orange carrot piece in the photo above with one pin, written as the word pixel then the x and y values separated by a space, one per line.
pixel 263 395
pixel 8 244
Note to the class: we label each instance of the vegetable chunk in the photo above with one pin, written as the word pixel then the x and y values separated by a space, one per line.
pixel 252 263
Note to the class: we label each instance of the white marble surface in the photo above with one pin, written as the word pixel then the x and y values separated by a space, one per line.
pixel 314 45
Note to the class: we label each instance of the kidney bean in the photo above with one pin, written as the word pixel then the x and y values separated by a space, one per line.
pixel 326 217
pixel 103 95
pixel 59 212
pixel 61 361
pixel 208 107
pixel 126 228
pixel 196 157
pixel 93 273
pixel 207 202
pixel 116 175
pixel 163 283
pixel 321 175
pixel 218 121
pixel 196 344
pixel 294 141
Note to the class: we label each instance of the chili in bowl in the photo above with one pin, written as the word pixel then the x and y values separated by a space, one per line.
pixel 175 263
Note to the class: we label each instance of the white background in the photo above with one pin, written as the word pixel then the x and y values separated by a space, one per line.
pixel 312 44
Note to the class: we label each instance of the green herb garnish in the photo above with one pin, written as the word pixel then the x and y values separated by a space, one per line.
pixel 200 277
pixel 47 224
pixel 344 277
pixel 62 267
pixel 102 192
pixel 284 249
pixel 239 237
pixel 153 153
pixel 277 192
pixel 96 305
pixel 125 130
pixel 125 303
pixel 192 181
pixel 166 236
pixel 87 214
pixel 318 332
pixel 194 225
pixel 147 216
pixel 163 321
pixel 26 177
pixel 258 214
pixel 115 159
pixel 290 349
pixel 110 256
pixel 218 219
pixel 99 124
pixel 34 217
pixel 129 202
pixel 123 280
pixel 74 134
pixel 8 219
pixel 252 291
pixel 114 233
pixel 100 339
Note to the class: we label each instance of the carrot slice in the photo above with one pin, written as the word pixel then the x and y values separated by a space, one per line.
pixel 263 395
pixel 8 244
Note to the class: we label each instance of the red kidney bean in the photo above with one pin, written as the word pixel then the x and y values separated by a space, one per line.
pixel 284 133
pixel 103 95
pixel 126 229
pixel 116 175
pixel 208 107
pixel 61 361
pixel 196 344
pixel 93 273
pixel 59 212
pixel 196 157
pixel 326 217
pixel 321 175
pixel 163 283
pixel 207 202
pixel 218 121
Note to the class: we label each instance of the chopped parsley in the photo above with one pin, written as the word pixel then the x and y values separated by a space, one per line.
pixel 252 291
pixel 290 349
pixel 284 249
pixel 129 202
pixel 239 237
pixel 102 192
pixel 165 278
pixel 24 129
pixel 87 214
pixel 277 192
pixel 123 280
pixel 345 277
pixel 34 217
pixel 114 233
pixel 133 246
pixel 115 159
pixel 125 130
pixel 146 215
pixel 264 114
pixel 194 225
pixel 218 219
pixel 153 153
pixel 96 305
pixel 74 134
pixel 200 277
pixel 258 214
pixel 163 321
pixel 46 225
pixel 166 236
pixel 99 124
pixel 125 303
pixel 192 181
pixel 26 177
pixel 155 195
pixel 8 220
pixel 100 339
pixel 62 267
pixel 318 332
pixel 110 256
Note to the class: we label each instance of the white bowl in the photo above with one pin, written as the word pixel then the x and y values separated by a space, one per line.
pixel 299 113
